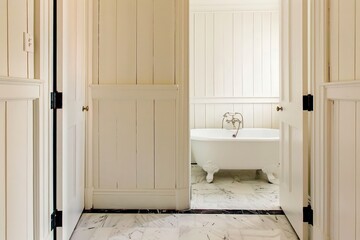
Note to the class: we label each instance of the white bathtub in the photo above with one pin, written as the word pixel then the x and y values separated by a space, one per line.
pixel 253 148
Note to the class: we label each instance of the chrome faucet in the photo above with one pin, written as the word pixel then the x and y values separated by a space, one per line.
pixel 231 118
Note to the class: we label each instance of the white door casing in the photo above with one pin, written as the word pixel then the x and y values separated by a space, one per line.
pixel 293 120
pixel 71 74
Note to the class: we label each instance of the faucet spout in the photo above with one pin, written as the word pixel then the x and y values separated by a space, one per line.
pixel 231 118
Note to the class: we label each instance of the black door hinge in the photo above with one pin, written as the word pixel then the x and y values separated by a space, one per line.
pixel 56 219
pixel 56 100
pixel 308 103
pixel 308 215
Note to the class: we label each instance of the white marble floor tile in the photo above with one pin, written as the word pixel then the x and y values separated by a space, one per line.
pixel 184 227
pixel 233 190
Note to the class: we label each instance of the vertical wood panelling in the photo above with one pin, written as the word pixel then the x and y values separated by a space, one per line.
pixel 238 54
pixel 266 54
pixel 30 29
pixel 164 41
pixel 258 58
pixel 241 60
pixel 357 174
pixel 248 51
pixel 192 116
pixel 95 43
pixel 108 166
pixel 145 144
pixel 192 55
pixel 30 175
pixel 210 116
pixel 107 42
pixel 3 39
pixel 19 142
pixel 260 115
pixel 126 41
pixel 347 40
pixel 2 172
pixel 165 119
pixel 228 49
pixel 334 230
pixel 200 55
pixel 275 57
pixel 200 116
pixel 347 190
pixel 17 26
pixel 344 40
pixel 334 40
pixel 145 41
pixel 126 144
pixel 248 113
pixel 209 52
pixel 357 46
pixel 117 141
pixel 218 54
pixel 258 111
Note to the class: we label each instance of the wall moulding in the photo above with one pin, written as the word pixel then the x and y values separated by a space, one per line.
pixel 234 5
pixel 233 100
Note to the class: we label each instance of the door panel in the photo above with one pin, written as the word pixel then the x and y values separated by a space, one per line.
pixel 293 120
pixel 72 70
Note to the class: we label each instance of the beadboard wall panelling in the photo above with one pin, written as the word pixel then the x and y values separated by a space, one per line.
pixel 230 5
pixel 2 171
pixel 258 115
pixel 136 42
pixel 16 19
pixel 234 65
pixel 19 152
pixel 135 146
pixel 138 95
pixel 234 54
pixel 345 170
pixel 342 106
pixel 3 39
pixel 344 40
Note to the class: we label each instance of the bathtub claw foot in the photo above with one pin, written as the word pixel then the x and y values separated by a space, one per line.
pixel 211 169
pixel 271 177
pixel 210 177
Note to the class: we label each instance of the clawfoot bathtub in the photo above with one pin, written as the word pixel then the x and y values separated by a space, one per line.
pixel 253 148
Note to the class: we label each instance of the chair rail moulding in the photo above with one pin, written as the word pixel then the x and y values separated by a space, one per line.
pixel 233 100
pixel 128 92
pixel 234 5
pixel 15 88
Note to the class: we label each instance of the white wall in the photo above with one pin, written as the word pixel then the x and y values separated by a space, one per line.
pixel 139 157
pixel 344 40
pixel 24 175
pixel 341 109
pixel 234 62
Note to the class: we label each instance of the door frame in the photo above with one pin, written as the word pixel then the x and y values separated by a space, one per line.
pixel 319 75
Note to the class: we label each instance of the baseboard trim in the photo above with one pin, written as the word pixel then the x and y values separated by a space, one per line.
pixel 134 199
pixel 190 211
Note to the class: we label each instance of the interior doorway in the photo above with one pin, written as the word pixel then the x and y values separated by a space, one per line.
pixel 234 95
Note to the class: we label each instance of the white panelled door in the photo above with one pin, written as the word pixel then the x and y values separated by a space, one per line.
pixel 72 77
pixel 293 120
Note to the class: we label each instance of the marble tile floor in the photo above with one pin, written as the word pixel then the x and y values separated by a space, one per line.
pixel 97 226
pixel 240 189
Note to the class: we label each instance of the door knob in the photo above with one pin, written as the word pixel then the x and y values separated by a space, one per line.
pixel 279 108
pixel 85 108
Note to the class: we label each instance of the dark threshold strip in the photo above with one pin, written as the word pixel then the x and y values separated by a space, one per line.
pixel 190 211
